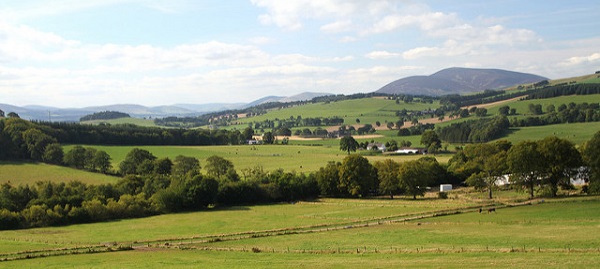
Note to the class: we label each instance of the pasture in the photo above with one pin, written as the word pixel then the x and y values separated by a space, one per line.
pixel 135 121
pixel 334 233
pixel 30 173
pixel 367 110
pixel 297 158
pixel 522 107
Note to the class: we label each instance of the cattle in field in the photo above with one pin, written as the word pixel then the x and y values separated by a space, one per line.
pixel 490 210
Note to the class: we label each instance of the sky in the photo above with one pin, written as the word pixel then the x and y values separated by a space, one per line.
pixel 74 53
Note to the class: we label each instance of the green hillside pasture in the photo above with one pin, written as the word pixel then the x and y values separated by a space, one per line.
pixel 135 121
pixel 30 173
pixel 577 133
pixel 523 106
pixel 556 233
pixel 225 221
pixel 271 157
pixel 368 110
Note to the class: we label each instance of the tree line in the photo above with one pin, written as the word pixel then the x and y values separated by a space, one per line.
pixel 104 115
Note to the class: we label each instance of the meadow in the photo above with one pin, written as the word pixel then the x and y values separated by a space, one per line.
pixel 367 110
pixel 30 173
pixel 334 233
pixel 299 158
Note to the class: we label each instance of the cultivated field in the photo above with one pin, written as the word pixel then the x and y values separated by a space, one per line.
pixel 330 233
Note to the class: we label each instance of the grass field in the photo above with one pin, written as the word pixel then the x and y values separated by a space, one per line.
pixel 297 158
pixel 577 133
pixel 30 173
pixel 136 121
pixel 523 106
pixel 552 233
pixel 368 110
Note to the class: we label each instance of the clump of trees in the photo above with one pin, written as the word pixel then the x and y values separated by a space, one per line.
pixel 475 131
pixel 104 115
pixel 549 163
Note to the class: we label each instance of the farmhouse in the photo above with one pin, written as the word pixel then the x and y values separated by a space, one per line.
pixel 408 151
pixel 376 146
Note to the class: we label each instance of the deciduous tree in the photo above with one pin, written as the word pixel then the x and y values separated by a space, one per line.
pixel 357 176
pixel 387 174
pixel 347 143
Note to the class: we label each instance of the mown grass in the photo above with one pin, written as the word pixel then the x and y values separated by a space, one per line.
pixel 227 220
pixel 30 173
pixel 553 233
pixel 210 259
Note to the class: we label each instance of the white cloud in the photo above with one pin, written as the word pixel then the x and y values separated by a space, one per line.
pixel 577 60
pixel 28 9
pixel 382 54
pixel 338 27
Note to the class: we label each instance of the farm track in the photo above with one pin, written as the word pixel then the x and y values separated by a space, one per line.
pixel 184 243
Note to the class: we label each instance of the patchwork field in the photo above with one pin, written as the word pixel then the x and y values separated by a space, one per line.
pixel 330 233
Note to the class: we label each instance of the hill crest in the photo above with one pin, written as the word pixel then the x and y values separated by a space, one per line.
pixel 458 80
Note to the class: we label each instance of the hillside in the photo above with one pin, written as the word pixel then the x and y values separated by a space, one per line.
pixel 458 80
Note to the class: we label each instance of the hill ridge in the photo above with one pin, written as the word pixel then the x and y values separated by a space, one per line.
pixel 459 80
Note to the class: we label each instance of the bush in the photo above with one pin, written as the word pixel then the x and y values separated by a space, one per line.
pixel 442 195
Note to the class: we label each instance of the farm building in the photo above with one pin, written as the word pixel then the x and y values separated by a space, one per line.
pixel 408 151
pixel 445 187
pixel 376 146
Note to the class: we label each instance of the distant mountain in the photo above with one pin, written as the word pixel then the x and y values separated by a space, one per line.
pixel 46 113
pixel 305 96
pixel 457 80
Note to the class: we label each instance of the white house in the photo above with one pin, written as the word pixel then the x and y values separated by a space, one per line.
pixel 407 151
pixel 378 146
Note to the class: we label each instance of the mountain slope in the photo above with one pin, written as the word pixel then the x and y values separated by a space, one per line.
pixel 457 80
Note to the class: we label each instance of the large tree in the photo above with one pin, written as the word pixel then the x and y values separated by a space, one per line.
pixel 526 165
pixel 53 154
pixel 347 143
pixel 561 160
pixel 137 162
pixel 75 157
pixel 36 142
pixel 186 166
pixel 101 161
pixel 328 178
pixel 416 175
pixel 431 141
pixel 357 176
pixel 591 156
pixel 220 168
pixel 486 163
pixel 387 174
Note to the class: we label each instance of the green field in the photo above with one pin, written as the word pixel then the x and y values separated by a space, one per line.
pixel 135 121
pixel 577 133
pixel 523 106
pixel 368 110
pixel 30 173
pixel 297 158
pixel 333 233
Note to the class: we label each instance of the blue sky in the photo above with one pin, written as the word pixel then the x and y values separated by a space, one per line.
pixel 73 53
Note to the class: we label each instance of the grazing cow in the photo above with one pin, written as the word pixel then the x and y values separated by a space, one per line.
pixel 480 209
pixel 490 210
